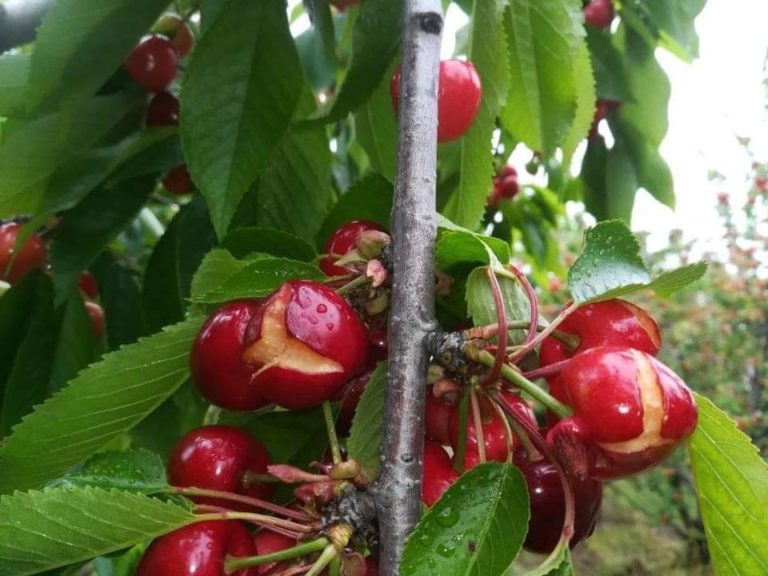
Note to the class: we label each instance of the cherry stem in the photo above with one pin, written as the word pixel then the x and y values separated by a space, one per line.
pixel 361 280
pixel 492 329
pixel 329 553
pixel 550 370
pixel 235 563
pixel 259 519
pixel 532 298
pixel 548 331
pixel 250 478
pixel 459 454
pixel 330 426
pixel 255 502
pixel 513 376
pixel 477 418
pixel 501 320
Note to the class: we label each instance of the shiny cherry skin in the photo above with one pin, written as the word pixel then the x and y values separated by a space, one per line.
pixel 350 398
pixel 178 181
pixel 547 501
pixel 630 413
pixel 305 341
pixel 96 314
pixel 219 458
pixel 266 542
pixel 179 33
pixel 437 418
pixel 439 474
pixel 599 13
pixel 88 286
pixel 341 242
pixel 197 550
pixel 458 99
pixel 217 370
pixel 153 63
pixel 163 110
pixel 32 254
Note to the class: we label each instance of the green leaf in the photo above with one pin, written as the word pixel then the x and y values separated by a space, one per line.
pixel 585 104
pixel 488 52
pixel 364 442
pixel 376 128
pixel 558 565
pixel 477 528
pixel 14 72
pixel 621 183
pixel 60 526
pixel 671 23
pixel 457 246
pixel 132 470
pixel 732 485
pixel 245 241
pixel 121 300
pixel 319 12
pixel 215 269
pixel 75 346
pixel 482 306
pixel 240 93
pixel 103 402
pixel 544 41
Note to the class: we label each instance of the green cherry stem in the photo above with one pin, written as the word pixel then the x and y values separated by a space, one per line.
pixel 361 280
pixel 329 553
pixel 258 519
pixel 330 426
pixel 234 563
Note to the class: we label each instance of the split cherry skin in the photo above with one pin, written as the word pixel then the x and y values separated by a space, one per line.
pixel 341 242
pixel 197 550
pixel 31 256
pixel 217 370
pixel 304 342
pixel 153 63
pixel 219 458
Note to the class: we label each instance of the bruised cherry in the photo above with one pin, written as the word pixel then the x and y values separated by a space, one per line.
pixel 96 314
pixel 152 64
pixel 219 458
pixel 341 242
pixel 630 413
pixel 30 256
pixel 599 13
pixel 178 181
pixel 438 474
pixel 215 362
pixel 163 110
pixel 304 342
pixel 197 550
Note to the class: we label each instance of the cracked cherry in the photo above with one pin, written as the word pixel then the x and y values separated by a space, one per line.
pixel 153 63
pixel 599 13
pixel 219 458
pixel 218 372
pixel 341 242
pixel 163 110
pixel 96 314
pixel 30 256
pixel 438 474
pixel 197 550
pixel 304 342
pixel 178 181
pixel 458 98
pixel 630 412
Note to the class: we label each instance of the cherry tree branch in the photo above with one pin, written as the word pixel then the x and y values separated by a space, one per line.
pixel 19 20
pixel 412 324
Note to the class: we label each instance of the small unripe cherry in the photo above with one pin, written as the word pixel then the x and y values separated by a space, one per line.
pixel 630 412
pixel 341 242
pixel 88 286
pixel 30 256
pixel 96 314
pixel 178 31
pixel 163 110
pixel 458 98
pixel 153 63
pixel 178 181
pixel 219 458
pixel 304 342
pixel 599 13
pixel 218 372
pixel 197 550
pixel 438 474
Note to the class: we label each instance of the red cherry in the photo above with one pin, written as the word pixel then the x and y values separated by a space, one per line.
pixel 439 475
pixel 508 187
pixel 341 242
pixel 178 181
pixel 219 458
pixel 174 27
pixel 88 285
pixel 350 398
pixel 305 341
pixel 219 374
pixel 197 550
pixel 266 542
pixel 30 256
pixel 152 64
pixel 163 110
pixel 630 412
pixel 458 98
pixel 342 5
pixel 437 418
pixel 96 314
pixel 599 13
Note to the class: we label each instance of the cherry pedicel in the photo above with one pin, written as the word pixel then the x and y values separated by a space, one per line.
pixel 30 256
pixel 630 413
pixel 304 342
pixel 219 458
pixel 341 242
pixel 267 542
pixel 163 110
pixel 96 314
pixel 599 13
pixel 197 550
pixel 178 181
pixel 217 369
pixel 152 64
pixel 439 475
pixel 180 34
pixel 458 99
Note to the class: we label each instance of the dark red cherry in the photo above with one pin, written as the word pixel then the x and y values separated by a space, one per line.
pixel 178 181
pixel 88 286
pixel 599 13
pixel 96 313
pixel 458 99
pixel 217 369
pixel 437 418
pixel 267 542
pixel 341 242
pixel 180 34
pixel 630 412
pixel 439 475
pixel 219 458
pixel 197 550
pixel 304 342
pixel 153 63
pixel 163 110
pixel 350 398
pixel 30 256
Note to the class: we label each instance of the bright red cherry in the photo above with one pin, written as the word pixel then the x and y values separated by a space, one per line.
pixel 153 63
pixel 96 314
pixel 437 418
pixel 630 412
pixel 163 110
pixel 439 475
pixel 266 542
pixel 218 372
pixel 458 98
pixel 219 458
pixel 197 550
pixel 178 181
pixel 341 242
pixel 175 28
pixel 30 256
pixel 88 285
pixel 304 341
pixel 599 13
